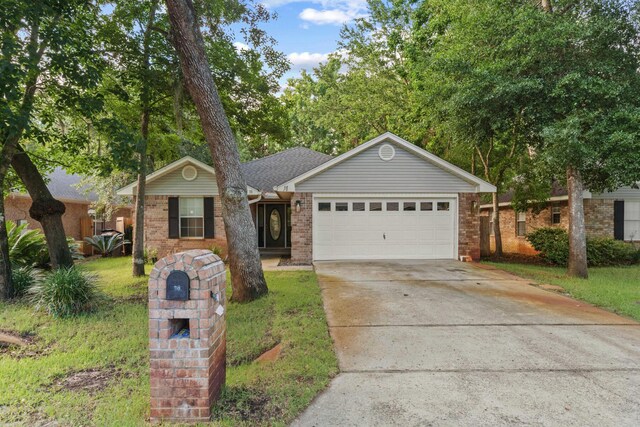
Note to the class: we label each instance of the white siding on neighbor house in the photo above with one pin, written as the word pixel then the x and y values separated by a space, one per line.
pixel 622 193
pixel 173 184
pixel 366 172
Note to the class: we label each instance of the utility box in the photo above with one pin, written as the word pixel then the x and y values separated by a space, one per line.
pixel 187 335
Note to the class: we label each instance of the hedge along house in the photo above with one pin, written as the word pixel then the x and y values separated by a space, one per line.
pixel 613 214
pixel 385 199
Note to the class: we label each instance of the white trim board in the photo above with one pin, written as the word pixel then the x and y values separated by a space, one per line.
pixel 481 185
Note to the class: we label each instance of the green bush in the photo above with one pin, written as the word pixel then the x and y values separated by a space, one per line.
pixel 24 278
pixel 66 292
pixel 603 252
pixel 553 245
pixel 26 247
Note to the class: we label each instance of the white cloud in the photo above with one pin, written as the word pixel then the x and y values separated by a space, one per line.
pixel 327 16
pixel 240 46
pixel 306 60
pixel 328 12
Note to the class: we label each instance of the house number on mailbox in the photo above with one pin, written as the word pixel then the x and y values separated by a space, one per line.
pixel 178 286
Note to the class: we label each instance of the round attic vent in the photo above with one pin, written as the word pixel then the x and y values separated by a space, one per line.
pixel 386 152
pixel 189 173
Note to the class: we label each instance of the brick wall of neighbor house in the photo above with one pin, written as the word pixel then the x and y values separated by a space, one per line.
pixel 468 226
pixel 156 230
pixel 598 219
pixel 301 229
pixel 17 208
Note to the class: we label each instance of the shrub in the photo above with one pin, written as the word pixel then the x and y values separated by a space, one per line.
pixel 26 247
pixel 24 278
pixel 66 292
pixel 553 245
pixel 106 245
pixel 602 252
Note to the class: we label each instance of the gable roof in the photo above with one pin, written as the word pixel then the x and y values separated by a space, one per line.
pixel 64 187
pixel 481 185
pixel 268 172
pixel 129 189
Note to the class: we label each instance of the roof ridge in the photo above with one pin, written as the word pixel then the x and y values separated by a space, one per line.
pixel 284 151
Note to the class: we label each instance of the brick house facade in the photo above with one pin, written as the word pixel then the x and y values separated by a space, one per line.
pixel 386 199
pixel 598 213
pixel 156 230
pixel 17 210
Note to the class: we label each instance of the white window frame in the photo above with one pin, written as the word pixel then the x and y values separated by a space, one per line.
pixel 180 216
pixel 630 236
pixel 521 217
pixel 556 210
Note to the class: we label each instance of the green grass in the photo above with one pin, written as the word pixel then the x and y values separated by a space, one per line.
pixel 613 288
pixel 114 340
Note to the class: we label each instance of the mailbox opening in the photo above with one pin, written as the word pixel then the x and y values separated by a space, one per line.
pixel 179 328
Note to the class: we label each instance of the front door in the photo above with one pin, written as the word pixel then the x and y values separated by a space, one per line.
pixel 275 225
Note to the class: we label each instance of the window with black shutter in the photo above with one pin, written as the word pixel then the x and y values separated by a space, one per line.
pixel 174 218
pixel 209 229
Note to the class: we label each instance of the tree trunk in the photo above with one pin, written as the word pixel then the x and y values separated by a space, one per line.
pixel 495 217
pixel 45 209
pixel 145 98
pixel 6 284
pixel 248 280
pixel 577 231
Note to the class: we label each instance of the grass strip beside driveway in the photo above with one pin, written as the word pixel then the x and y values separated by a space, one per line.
pixel 616 289
pixel 94 369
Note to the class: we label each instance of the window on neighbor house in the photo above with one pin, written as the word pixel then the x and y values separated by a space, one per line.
pixel 191 217
pixel 555 215
pixel 521 224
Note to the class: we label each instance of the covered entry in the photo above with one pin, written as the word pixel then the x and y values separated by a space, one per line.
pixel 384 228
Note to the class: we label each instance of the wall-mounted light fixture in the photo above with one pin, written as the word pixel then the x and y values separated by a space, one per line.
pixel 298 204
pixel 474 207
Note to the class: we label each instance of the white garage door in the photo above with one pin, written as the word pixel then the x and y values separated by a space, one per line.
pixel 384 228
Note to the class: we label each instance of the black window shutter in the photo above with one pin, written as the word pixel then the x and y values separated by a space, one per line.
pixel 174 218
pixel 208 218
pixel 618 219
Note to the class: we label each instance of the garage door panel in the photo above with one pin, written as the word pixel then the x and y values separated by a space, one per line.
pixel 385 234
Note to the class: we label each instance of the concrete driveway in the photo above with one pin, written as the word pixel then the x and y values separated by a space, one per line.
pixel 450 343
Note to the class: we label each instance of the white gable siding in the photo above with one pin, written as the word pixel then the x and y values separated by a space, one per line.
pixel 173 184
pixel 368 173
pixel 623 193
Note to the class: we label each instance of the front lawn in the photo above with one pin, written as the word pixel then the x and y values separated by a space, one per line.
pixel 94 369
pixel 614 288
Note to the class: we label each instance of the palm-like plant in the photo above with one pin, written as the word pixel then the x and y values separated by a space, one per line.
pixel 26 247
pixel 106 245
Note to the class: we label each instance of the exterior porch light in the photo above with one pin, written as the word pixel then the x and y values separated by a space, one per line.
pixel 298 204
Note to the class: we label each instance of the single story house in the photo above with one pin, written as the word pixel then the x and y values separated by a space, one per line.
pixel 79 219
pixel 613 214
pixel 385 199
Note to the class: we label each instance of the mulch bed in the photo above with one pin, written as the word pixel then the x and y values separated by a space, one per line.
pixel 519 259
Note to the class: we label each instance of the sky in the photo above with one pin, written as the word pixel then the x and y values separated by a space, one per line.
pixel 308 31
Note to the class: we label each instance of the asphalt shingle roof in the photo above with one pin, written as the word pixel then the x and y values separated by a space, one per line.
pixel 264 174
pixel 62 185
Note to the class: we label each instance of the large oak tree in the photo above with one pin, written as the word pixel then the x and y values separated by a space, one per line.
pixel 246 269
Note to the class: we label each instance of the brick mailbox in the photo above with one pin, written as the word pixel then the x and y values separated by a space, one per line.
pixel 187 335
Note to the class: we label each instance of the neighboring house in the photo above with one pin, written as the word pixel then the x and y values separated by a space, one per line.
pixel 613 214
pixel 63 187
pixel 386 199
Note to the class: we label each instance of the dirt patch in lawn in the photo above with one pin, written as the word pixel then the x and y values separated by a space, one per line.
pixel 21 345
pixel 248 404
pixel 88 380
